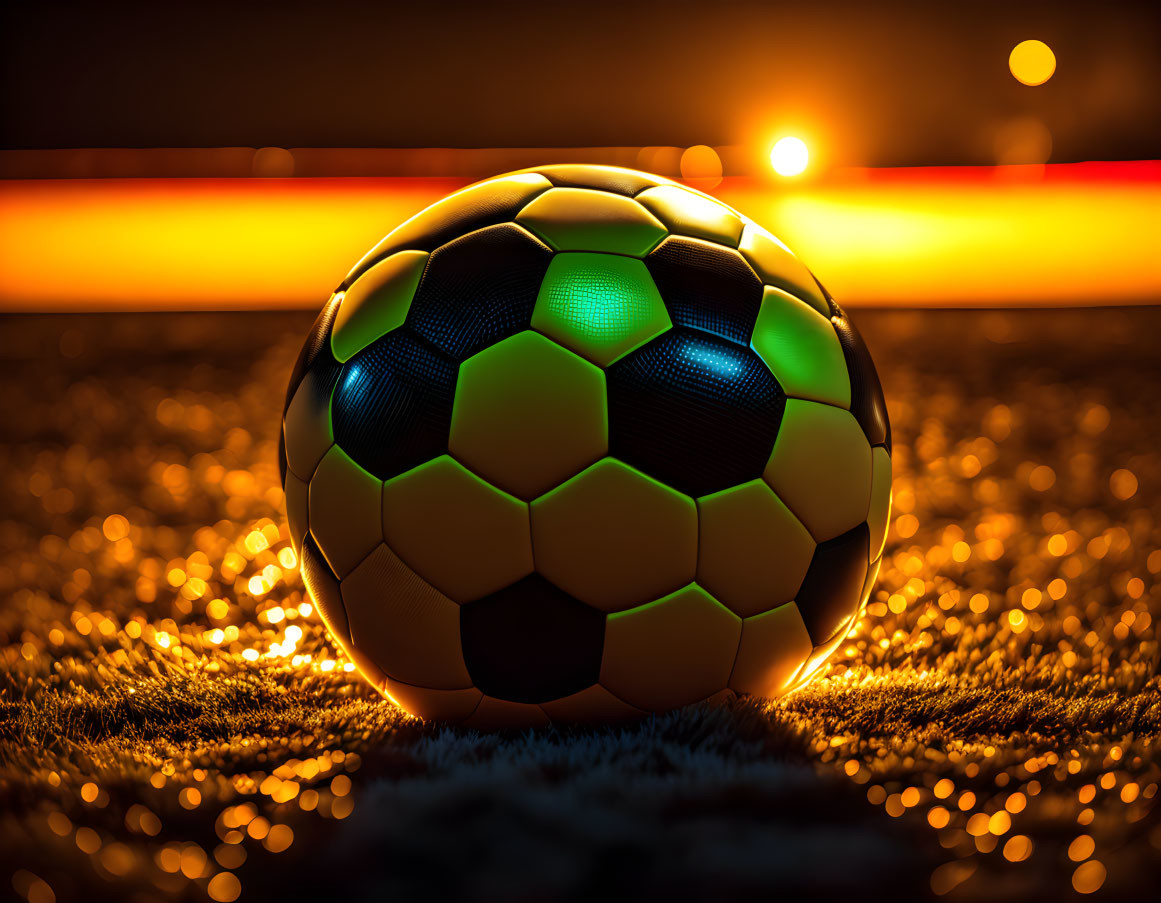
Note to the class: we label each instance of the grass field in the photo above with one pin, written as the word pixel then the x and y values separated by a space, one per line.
pixel 174 722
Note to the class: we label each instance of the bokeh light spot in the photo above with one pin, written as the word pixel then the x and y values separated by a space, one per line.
pixel 1032 62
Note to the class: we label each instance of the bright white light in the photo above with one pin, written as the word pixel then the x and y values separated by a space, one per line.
pixel 789 156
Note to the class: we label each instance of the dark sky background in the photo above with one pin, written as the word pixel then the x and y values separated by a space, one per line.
pixel 876 83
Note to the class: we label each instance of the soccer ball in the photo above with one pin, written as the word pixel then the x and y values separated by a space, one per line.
pixel 579 443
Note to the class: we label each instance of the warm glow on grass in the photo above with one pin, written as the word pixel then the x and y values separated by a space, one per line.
pixel 789 156
pixel 1032 62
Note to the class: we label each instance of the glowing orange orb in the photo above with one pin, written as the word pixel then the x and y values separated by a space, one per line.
pixel 789 156
pixel 1032 62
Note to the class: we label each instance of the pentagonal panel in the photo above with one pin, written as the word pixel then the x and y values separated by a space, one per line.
pixel 707 287
pixel 316 346
pixel 344 511
pixel 601 306
pixel 323 587
pixel 592 705
pixel 479 289
pixel 403 624
pixel 880 513
pixel 531 642
pixel 393 404
pixel 612 536
pixel 295 491
pixel 774 646
pixel 821 467
pixel 528 414
pixel 801 348
pixel 752 552
pixel 475 207
pixel 832 590
pixel 307 427
pixel 671 652
pixel 867 402
pixel 777 266
pixel 605 178
pixel 695 411
pixel 500 714
pixel 687 213
pixel 376 303
pixel 580 219
pixel 451 706
pixel 463 536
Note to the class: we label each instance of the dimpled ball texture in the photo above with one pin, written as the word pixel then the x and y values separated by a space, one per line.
pixel 578 444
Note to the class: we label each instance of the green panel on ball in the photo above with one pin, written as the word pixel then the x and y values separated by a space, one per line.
pixel 528 414
pixel 670 652
pixel 614 537
pixel 580 219
pixel 821 468
pixel 461 534
pixel 376 303
pixel 753 553
pixel 801 349
pixel 344 502
pixel 602 306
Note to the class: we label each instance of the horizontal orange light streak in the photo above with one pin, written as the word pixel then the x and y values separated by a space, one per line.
pixel 919 237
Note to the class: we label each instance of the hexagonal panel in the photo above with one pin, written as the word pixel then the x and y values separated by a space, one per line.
pixel 295 492
pixel 531 642
pixel 475 207
pixel 867 401
pixel 479 289
pixel 821 467
pixel 777 266
pixel 752 552
pixel 580 219
pixel 774 646
pixel 617 179
pixel 500 714
pixel 880 513
pixel 376 303
pixel 403 624
pixel 687 213
pixel 323 587
pixel 462 535
pixel 592 705
pixel 307 428
pixel 832 590
pixel 528 414
pixel 450 706
pixel 672 651
pixel 707 287
pixel 393 404
pixel 613 537
pixel 801 349
pixel 344 503
pixel 601 306
pixel 695 411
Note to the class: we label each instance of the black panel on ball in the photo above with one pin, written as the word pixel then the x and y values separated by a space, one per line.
pixel 392 406
pixel 479 289
pixel 867 401
pixel 532 642
pixel 694 411
pixel 831 591
pixel 707 286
